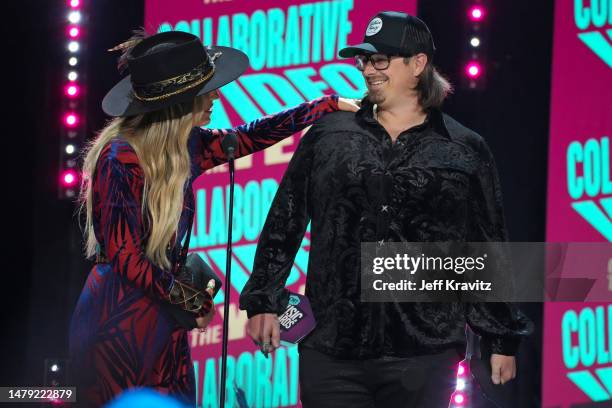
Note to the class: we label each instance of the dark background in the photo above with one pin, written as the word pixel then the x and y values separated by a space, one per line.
pixel 45 268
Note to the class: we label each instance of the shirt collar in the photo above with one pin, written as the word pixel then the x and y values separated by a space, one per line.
pixel 434 117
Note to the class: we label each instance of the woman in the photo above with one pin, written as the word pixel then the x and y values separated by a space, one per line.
pixel 137 177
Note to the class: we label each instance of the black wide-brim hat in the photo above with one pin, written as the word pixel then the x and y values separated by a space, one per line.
pixel 170 68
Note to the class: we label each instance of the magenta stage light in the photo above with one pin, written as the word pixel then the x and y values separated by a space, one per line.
pixel 74 3
pixel 461 369
pixel 74 32
pixel 71 120
pixel 69 178
pixel 476 13
pixel 56 402
pixel 473 70
pixel 459 399
pixel 72 91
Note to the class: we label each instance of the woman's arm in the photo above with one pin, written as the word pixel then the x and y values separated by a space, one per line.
pixel 205 144
pixel 119 187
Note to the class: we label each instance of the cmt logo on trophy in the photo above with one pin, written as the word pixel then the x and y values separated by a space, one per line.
pixel 588 176
pixel 595 22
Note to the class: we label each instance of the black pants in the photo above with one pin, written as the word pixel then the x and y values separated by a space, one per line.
pixel 387 382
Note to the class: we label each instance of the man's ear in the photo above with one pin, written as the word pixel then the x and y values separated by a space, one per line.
pixel 420 61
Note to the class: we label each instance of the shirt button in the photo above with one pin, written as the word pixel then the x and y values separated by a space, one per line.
pixel 384 208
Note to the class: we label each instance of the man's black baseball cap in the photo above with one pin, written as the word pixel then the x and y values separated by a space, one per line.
pixel 394 33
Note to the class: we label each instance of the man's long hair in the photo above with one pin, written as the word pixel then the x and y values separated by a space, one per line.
pixel 433 88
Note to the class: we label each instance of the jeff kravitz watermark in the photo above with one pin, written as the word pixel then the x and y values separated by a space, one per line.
pixel 406 264
pixel 486 271
pixel 435 285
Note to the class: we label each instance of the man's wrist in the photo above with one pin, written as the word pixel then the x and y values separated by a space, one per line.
pixel 253 313
pixel 507 346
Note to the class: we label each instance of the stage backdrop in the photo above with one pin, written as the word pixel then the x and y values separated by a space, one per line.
pixel 293 47
pixel 578 336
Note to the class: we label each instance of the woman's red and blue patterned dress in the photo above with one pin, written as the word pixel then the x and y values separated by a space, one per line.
pixel 120 337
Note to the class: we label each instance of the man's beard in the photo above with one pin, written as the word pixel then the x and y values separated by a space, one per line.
pixel 376 97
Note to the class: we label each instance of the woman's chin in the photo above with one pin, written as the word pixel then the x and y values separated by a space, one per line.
pixel 204 122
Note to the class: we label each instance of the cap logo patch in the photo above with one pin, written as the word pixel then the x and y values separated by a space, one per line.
pixel 374 26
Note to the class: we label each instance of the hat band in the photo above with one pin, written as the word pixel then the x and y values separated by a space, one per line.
pixel 168 87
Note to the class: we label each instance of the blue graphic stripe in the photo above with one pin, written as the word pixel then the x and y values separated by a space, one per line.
pixel 589 385
pixel 595 216
pixel 597 42
pixel 606 203
pixel 605 376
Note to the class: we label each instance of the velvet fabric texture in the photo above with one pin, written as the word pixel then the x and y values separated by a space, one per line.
pixel 437 182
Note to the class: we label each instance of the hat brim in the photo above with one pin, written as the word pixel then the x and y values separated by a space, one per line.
pixel 363 48
pixel 120 100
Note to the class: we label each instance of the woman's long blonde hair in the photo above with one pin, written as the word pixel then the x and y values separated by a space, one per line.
pixel 159 139
pixel 160 142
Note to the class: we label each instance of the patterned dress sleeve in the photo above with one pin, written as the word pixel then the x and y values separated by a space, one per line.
pixel 119 184
pixel 205 144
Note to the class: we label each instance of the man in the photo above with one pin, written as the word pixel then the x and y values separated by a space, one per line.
pixel 397 170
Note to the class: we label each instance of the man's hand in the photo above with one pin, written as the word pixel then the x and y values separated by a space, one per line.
pixel 264 328
pixel 503 368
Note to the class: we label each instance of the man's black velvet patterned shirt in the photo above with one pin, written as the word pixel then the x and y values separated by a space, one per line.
pixel 436 182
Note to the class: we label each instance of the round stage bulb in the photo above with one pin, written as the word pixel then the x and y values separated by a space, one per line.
pixel 73 46
pixel 476 13
pixel 71 120
pixel 473 70
pixel 69 178
pixel 55 368
pixel 72 90
pixel 459 399
pixel 75 3
pixel 70 149
pixel 73 32
pixel 460 385
pixel 461 370
pixel 72 76
pixel 475 42
pixel 74 17
pixel 73 61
